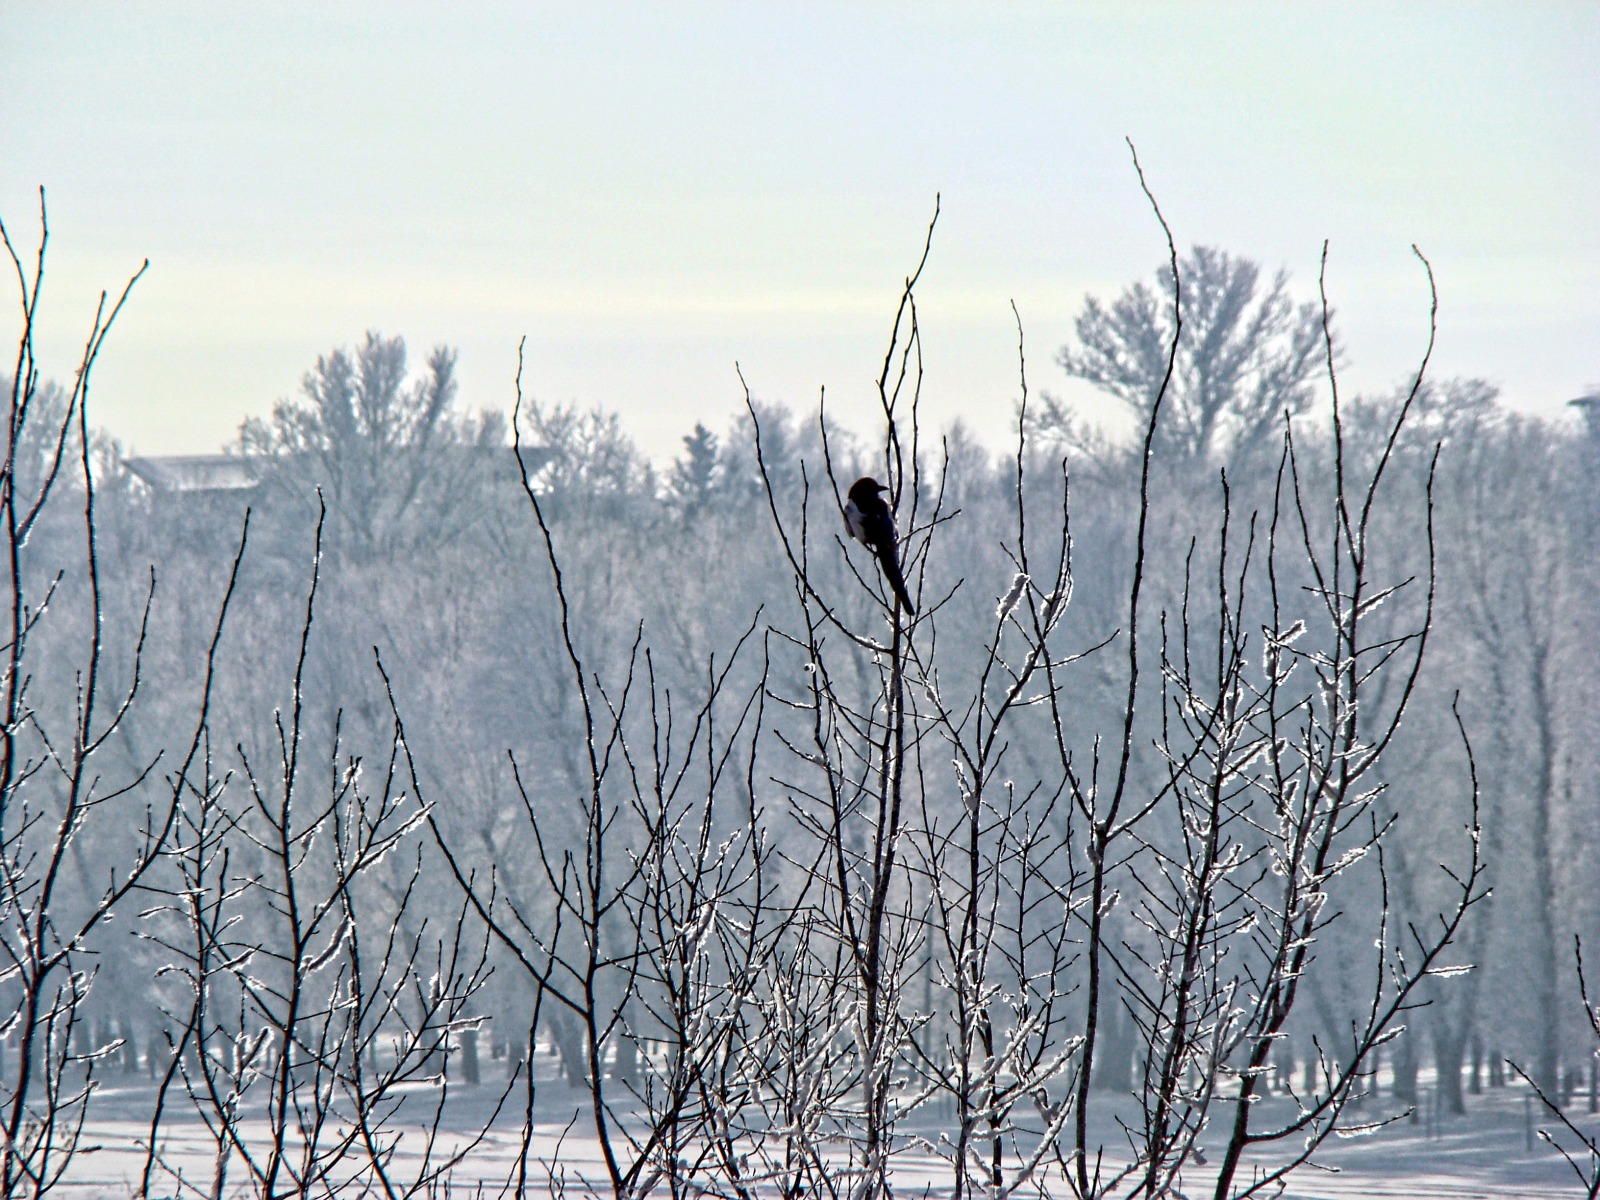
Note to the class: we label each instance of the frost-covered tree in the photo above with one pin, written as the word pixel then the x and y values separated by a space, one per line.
pixel 583 460
pixel 694 473
pixel 1248 354
pixel 1518 595
pixel 397 466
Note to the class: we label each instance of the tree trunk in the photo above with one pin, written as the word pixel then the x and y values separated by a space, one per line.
pixel 1405 1071
pixel 566 1042
pixel 1547 1015
pixel 1449 1050
pixel 469 1057
pixel 1113 1063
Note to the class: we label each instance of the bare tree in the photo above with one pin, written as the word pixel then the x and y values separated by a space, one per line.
pixel 1258 807
pixel 648 933
pixel 1584 1158
pixel 66 696
pixel 313 996
pixel 1033 886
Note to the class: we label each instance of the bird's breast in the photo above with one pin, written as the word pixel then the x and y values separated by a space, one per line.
pixel 855 522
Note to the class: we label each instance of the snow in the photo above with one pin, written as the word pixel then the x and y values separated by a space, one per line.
pixel 1483 1154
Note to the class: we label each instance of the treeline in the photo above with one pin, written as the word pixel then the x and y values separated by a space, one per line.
pixel 649 764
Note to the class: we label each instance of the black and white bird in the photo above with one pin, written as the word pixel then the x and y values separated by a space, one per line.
pixel 867 517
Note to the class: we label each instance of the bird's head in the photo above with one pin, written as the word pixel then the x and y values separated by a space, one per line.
pixel 866 489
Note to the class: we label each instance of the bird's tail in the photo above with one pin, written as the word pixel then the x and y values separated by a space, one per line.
pixel 891 568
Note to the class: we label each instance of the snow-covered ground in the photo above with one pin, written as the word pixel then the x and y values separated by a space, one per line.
pixel 1483 1154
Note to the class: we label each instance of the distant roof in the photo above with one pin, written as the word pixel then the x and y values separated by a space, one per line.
pixel 1588 405
pixel 201 473
pixel 196 472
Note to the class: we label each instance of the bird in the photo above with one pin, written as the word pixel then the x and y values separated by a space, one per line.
pixel 867 517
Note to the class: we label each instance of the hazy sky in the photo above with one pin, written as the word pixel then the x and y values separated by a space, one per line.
pixel 653 192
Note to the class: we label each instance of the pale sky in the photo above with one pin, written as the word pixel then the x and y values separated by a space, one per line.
pixel 653 192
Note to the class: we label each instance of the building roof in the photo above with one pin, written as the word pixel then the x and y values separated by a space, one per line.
pixel 215 473
pixel 196 472
pixel 1589 405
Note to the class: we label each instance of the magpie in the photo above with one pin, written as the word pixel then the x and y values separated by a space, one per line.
pixel 870 522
